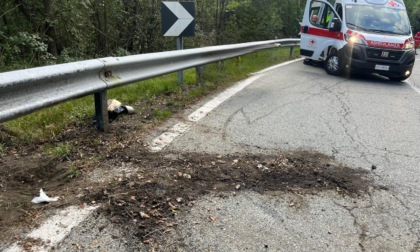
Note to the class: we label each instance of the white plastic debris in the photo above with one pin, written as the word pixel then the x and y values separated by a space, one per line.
pixel 262 167
pixel 113 104
pixel 43 198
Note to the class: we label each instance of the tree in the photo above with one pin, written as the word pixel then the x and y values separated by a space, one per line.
pixel 413 9
pixel 34 32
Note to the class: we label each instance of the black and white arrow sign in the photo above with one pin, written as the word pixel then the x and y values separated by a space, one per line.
pixel 178 19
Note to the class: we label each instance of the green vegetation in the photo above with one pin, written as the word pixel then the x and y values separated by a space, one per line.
pixel 47 124
pixel 36 33
pixel 72 172
pixel 60 151
pixel 413 9
pixel 162 114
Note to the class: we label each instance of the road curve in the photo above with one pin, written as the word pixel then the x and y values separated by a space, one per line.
pixel 362 121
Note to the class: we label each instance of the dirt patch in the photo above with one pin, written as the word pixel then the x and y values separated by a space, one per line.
pixel 147 201
pixel 21 178
pixel 144 191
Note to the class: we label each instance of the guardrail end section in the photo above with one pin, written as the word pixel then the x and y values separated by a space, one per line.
pixel 101 111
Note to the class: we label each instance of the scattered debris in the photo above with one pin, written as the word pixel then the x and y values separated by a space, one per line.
pixel 172 205
pixel 373 167
pixel 116 109
pixel 147 202
pixel 187 176
pixel 43 198
pixel 144 215
pixel 113 104
pixel 262 167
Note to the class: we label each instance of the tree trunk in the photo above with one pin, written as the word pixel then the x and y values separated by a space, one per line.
pixel 100 41
pixel 49 30
pixel 105 36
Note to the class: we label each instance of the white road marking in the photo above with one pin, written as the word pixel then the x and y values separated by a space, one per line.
pixel 279 65
pixel 56 228
pixel 215 102
pixel 167 137
pixel 412 84
pixel 178 129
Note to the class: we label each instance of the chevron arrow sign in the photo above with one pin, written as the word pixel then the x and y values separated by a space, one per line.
pixel 178 19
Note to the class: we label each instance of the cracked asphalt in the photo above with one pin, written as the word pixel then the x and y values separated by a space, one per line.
pixel 363 121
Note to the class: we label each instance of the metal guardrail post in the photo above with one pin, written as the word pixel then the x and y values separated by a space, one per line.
pixel 101 111
pixel 291 51
pixel 220 65
pixel 199 73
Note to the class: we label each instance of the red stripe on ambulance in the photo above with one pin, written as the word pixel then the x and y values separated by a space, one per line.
pixel 325 33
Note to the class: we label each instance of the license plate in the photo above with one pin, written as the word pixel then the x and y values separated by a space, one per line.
pixel 382 67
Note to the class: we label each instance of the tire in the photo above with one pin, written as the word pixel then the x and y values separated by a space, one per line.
pixel 333 64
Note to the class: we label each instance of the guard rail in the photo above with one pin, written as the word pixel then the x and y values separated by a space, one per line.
pixel 25 91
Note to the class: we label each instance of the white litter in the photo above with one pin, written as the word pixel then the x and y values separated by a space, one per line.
pixel 43 198
pixel 113 104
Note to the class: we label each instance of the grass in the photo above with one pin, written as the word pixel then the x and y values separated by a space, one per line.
pixel 72 172
pixel 48 123
pixel 162 114
pixel 60 151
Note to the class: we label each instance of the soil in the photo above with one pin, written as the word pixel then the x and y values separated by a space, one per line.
pixel 144 191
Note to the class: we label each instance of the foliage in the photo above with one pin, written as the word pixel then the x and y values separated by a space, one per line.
pixel 413 9
pixel 36 33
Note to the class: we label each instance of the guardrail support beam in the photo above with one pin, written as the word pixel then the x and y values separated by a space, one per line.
pixel 199 73
pixel 101 111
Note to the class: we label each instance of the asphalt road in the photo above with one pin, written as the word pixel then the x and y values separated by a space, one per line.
pixel 365 121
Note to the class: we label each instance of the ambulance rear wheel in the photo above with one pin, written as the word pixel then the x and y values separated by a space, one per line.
pixel 333 64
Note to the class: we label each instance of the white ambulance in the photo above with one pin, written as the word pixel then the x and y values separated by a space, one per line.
pixel 370 36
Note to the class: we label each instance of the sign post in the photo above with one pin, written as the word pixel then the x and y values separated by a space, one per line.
pixel 178 21
pixel 180 46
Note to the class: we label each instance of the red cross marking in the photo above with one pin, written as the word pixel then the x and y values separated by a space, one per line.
pixel 392 3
